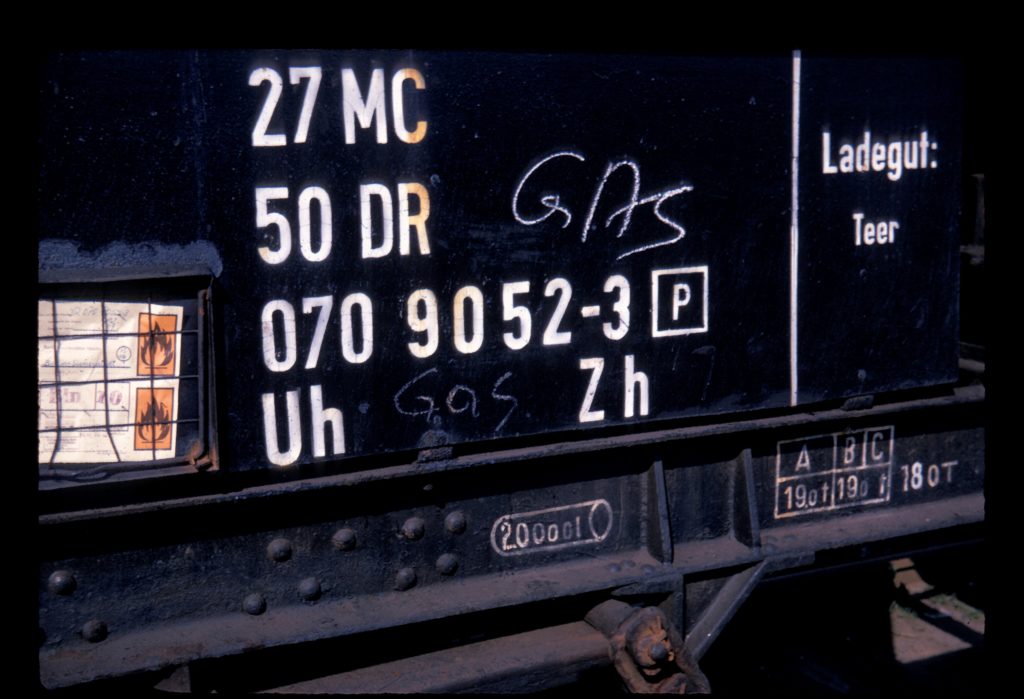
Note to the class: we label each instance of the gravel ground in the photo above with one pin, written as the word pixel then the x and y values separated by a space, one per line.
pixel 910 626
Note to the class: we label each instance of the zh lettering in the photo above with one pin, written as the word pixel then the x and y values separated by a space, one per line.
pixel 636 389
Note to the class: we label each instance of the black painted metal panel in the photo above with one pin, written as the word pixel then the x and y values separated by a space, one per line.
pixel 493 166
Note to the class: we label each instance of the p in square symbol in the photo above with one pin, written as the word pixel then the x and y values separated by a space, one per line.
pixel 679 301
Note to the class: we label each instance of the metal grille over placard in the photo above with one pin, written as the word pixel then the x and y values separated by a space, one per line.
pixel 121 384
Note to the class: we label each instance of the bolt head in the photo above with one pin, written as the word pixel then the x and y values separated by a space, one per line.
pixel 659 652
pixel 413 528
pixel 61 582
pixel 94 631
pixel 344 539
pixel 650 645
pixel 254 604
pixel 455 522
pixel 405 578
pixel 309 589
pixel 447 564
pixel 279 550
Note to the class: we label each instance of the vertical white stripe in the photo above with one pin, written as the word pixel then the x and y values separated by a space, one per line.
pixel 794 231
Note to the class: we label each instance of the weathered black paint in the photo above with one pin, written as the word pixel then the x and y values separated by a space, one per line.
pixel 155 149
pixel 147 172
pixel 883 317
pixel 172 583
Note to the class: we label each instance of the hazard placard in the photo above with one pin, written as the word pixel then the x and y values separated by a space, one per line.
pixel 156 353
pixel 109 376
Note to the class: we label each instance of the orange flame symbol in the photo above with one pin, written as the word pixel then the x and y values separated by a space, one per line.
pixel 155 423
pixel 157 346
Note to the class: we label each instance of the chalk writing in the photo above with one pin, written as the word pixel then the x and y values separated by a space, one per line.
pixel 553 203
pixel 459 400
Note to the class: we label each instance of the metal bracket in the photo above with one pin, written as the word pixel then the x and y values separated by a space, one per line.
pixel 647 650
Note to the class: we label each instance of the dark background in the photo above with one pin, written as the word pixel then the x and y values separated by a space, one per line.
pixel 153 150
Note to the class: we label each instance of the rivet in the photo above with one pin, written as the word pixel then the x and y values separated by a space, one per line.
pixel 309 589
pixel 405 578
pixel 455 522
pixel 61 582
pixel 254 604
pixel 647 569
pixel 344 539
pixel 94 631
pixel 614 567
pixel 279 550
pixel 447 564
pixel 413 528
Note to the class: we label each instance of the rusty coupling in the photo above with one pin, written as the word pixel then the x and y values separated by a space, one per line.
pixel 647 650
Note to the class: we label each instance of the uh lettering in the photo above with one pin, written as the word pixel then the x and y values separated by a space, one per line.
pixel 324 421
